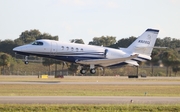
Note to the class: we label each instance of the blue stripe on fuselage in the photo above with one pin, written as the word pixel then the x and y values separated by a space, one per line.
pixel 68 57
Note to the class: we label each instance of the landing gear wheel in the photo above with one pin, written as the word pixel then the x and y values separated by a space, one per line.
pixel 82 71
pixel 26 62
pixel 93 71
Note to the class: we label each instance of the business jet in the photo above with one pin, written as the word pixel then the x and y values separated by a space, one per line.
pixel 90 57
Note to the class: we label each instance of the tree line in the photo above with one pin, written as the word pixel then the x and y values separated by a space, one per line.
pixel 168 57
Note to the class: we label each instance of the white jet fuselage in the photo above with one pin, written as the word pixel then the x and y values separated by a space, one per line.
pixel 70 52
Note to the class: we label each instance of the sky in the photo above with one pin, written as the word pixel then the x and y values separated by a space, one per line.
pixel 86 19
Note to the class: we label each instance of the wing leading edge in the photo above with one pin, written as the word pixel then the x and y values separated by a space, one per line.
pixel 106 62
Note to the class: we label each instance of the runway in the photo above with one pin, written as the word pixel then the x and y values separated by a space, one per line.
pixel 88 100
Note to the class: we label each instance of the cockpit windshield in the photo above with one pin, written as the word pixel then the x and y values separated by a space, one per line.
pixel 37 43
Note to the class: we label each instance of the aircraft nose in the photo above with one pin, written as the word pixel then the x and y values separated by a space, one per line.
pixel 17 49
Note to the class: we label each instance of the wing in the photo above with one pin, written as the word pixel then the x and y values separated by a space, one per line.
pixel 106 62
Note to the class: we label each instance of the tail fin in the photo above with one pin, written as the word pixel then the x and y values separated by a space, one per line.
pixel 144 44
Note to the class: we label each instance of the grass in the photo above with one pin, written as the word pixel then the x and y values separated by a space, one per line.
pixel 88 108
pixel 88 90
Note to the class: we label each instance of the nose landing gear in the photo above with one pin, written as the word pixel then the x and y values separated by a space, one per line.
pixel 26 60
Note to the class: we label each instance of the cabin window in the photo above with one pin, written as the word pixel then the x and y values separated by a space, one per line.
pixel 72 48
pixel 81 49
pixel 77 49
pixel 37 43
pixel 62 47
pixel 67 48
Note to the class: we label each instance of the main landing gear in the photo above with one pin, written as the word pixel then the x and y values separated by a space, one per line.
pixel 85 69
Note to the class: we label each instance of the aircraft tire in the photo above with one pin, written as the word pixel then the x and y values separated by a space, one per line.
pixel 92 71
pixel 26 62
pixel 82 71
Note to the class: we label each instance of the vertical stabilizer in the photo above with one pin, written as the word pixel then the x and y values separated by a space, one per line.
pixel 144 44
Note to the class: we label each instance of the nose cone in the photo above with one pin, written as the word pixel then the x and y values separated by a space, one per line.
pixel 16 49
pixel 21 50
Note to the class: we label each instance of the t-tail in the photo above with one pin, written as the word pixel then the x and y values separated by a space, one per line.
pixel 144 44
